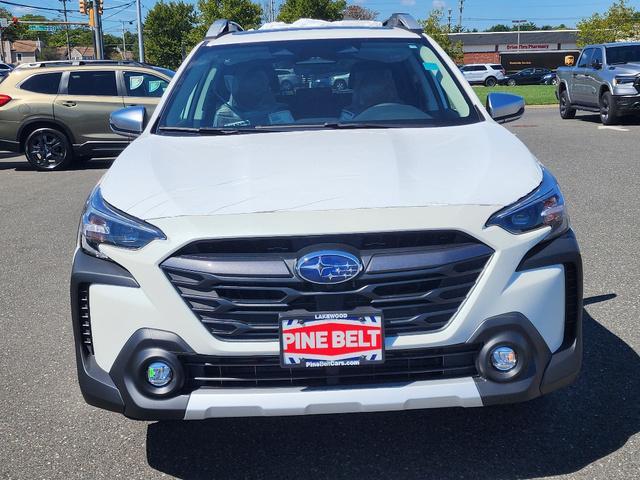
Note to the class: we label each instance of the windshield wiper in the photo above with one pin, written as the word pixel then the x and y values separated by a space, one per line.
pixel 319 126
pixel 209 130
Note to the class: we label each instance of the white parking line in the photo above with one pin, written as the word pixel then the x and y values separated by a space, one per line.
pixel 617 129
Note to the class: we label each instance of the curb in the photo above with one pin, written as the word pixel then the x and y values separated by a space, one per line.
pixel 540 107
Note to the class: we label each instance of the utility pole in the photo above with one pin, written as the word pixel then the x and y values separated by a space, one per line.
pixel 449 21
pixel 518 22
pixel 97 19
pixel 4 23
pixel 140 39
pixel 124 42
pixel 270 11
pixel 66 28
pixel 461 7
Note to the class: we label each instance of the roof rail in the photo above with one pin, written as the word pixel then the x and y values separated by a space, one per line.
pixel 405 21
pixel 76 63
pixel 222 27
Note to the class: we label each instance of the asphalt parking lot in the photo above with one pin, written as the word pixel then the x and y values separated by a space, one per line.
pixel 588 431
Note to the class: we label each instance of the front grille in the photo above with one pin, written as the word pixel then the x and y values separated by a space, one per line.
pixel 238 288
pixel 85 319
pixel 400 366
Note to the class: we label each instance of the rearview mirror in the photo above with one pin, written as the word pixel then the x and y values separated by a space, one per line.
pixel 128 122
pixel 505 107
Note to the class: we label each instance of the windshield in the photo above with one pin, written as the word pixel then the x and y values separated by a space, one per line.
pixel 623 54
pixel 329 83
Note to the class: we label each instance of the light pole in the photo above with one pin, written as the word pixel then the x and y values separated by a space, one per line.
pixel 124 39
pixel 66 28
pixel 518 22
pixel 140 40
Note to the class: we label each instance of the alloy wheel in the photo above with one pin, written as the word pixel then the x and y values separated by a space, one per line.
pixel 47 150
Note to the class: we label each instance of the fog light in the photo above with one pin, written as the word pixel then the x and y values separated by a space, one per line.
pixel 159 374
pixel 504 359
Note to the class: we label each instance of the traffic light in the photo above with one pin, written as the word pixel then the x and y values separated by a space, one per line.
pixel 92 18
pixel 83 7
pixel 100 5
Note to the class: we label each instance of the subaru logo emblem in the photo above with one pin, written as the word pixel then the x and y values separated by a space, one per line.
pixel 329 267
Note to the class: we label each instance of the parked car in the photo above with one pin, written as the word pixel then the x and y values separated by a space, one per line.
pixel 5 69
pixel 528 76
pixel 485 74
pixel 340 82
pixel 288 80
pixel 57 112
pixel 251 254
pixel 606 79
pixel 550 79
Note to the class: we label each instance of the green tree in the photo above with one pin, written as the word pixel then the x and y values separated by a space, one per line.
pixel 22 32
pixel 77 37
pixel 244 12
pixel 167 30
pixel 358 12
pixel 434 27
pixel 526 27
pixel 498 28
pixel 12 31
pixel 292 10
pixel 620 22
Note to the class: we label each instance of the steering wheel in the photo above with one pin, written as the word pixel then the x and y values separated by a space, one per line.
pixel 391 111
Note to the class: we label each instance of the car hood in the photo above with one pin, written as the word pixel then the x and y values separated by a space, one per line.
pixel 627 69
pixel 167 176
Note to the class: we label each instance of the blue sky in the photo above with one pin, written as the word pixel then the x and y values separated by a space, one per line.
pixel 477 13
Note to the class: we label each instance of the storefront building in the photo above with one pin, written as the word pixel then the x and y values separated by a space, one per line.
pixel 543 48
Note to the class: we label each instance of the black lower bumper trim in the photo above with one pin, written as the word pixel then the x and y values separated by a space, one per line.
pixel 96 385
pixel 628 104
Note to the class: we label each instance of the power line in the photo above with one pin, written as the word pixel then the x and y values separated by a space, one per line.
pixel 15 4
pixel 121 7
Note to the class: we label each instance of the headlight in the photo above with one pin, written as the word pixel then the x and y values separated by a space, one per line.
pixel 626 80
pixel 544 207
pixel 103 224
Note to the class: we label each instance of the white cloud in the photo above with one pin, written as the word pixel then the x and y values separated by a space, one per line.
pixel 18 11
pixel 439 4
pixel 408 3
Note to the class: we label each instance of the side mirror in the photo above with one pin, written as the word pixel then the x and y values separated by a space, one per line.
pixel 596 64
pixel 505 107
pixel 128 122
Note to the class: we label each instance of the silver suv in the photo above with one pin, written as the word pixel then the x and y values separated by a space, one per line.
pixel 606 80
pixel 487 74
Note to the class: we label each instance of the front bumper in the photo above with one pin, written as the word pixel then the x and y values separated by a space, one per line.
pixel 627 103
pixel 548 367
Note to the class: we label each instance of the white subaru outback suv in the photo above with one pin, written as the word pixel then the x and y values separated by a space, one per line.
pixel 384 246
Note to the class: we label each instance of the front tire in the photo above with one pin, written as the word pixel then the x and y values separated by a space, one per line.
pixel 48 149
pixel 567 112
pixel 491 82
pixel 608 110
pixel 512 82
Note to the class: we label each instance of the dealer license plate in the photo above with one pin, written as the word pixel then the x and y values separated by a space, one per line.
pixel 331 339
